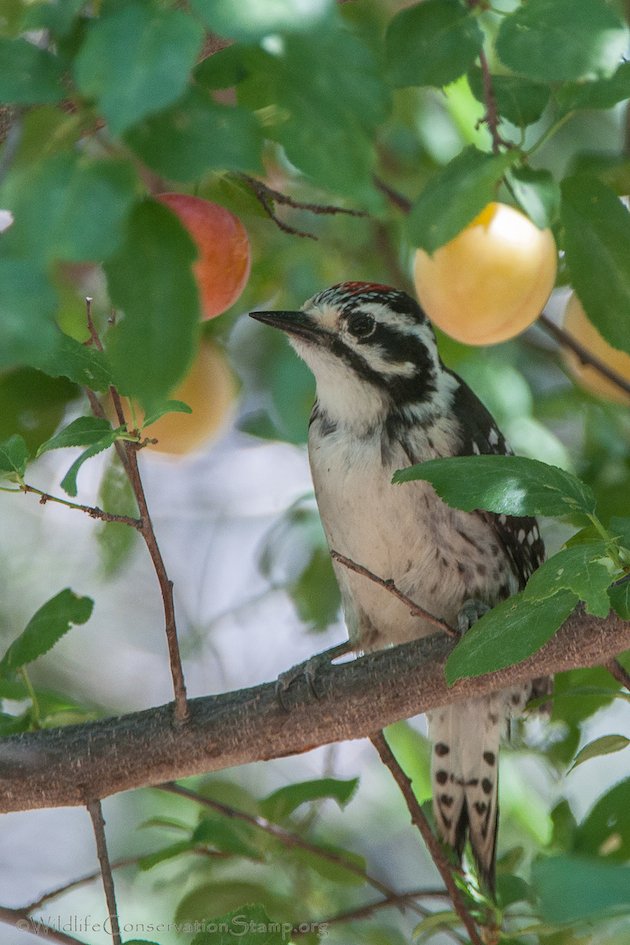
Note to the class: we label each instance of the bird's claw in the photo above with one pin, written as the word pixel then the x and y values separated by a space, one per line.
pixel 310 670
pixel 470 612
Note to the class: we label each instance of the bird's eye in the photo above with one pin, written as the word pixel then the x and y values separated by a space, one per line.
pixel 361 325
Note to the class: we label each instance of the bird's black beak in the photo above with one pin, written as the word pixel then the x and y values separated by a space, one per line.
pixel 294 323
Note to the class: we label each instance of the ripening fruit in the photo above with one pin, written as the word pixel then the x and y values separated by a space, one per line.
pixel 210 389
pixel 579 327
pixel 224 260
pixel 492 280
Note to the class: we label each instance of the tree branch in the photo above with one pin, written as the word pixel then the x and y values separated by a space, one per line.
pixel 95 811
pixel 71 765
pixel 565 340
pixel 432 843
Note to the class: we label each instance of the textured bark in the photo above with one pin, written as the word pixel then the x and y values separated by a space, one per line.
pixel 71 765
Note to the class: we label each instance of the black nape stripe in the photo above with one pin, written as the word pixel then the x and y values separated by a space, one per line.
pixel 393 347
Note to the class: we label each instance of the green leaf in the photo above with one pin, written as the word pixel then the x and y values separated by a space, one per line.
pixel 281 803
pixel 442 919
pixel 251 20
pixel 196 135
pixel 115 539
pixel 511 889
pixel 509 633
pixel 537 194
pixel 584 569
pixel 619 597
pixel 169 406
pixel 29 75
pixel 606 745
pixel 337 870
pixel 605 831
pixel 27 308
pixel 84 431
pixel 68 207
pixel 604 93
pixel 597 245
pixel 535 41
pixel 59 18
pixel 413 754
pixel 324 117
pixel 225 896
pixel 507 485
pixel 150 279
pixel 564 826
pixel 166 853
pixel 69 481
pixel 620 527
pixel 45 628
pixel 518 100
pixel 455 196
pixel 69 358
pixel 315 593
pixel 220 834
pixel 432 43
pixel 573 889
pixel 14 456
pixel 249 925
pixel 580 693
pixel 136 59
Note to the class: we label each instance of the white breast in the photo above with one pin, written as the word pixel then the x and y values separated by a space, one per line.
pixel 404 532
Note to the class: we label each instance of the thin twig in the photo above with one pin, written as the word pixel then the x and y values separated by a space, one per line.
pixel 287 837
pixel 92 510
pixel 22 921
pixel 491 118
pixel 388 584
pixel 326 209
pixel 586 357
pixel 37 904
pixel 267 195
pixel 398 900
pixel 96 814
pixel 262 194
pixel 128 453
pixel 166 587
pixel 432 843
pixel 394 197
pixel 621 674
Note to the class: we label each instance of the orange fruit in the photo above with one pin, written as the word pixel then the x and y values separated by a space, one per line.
pixel 492 280
pixel 577 324
pixel 209 389
pixel 224 261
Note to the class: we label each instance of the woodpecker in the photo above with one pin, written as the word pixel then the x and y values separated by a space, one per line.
pixel 384 401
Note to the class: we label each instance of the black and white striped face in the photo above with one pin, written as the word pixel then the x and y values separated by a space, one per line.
pixel 366 344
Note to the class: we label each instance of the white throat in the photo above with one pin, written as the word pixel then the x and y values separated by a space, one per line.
pixel 346 399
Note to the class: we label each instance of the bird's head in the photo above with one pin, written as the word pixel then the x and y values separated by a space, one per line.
pixel 367 344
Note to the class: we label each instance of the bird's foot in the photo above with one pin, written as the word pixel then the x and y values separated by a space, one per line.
pixel 470 613
pixel 310 670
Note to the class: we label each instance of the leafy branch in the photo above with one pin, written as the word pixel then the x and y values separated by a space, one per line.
pixel 433 845
pixel 92 510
